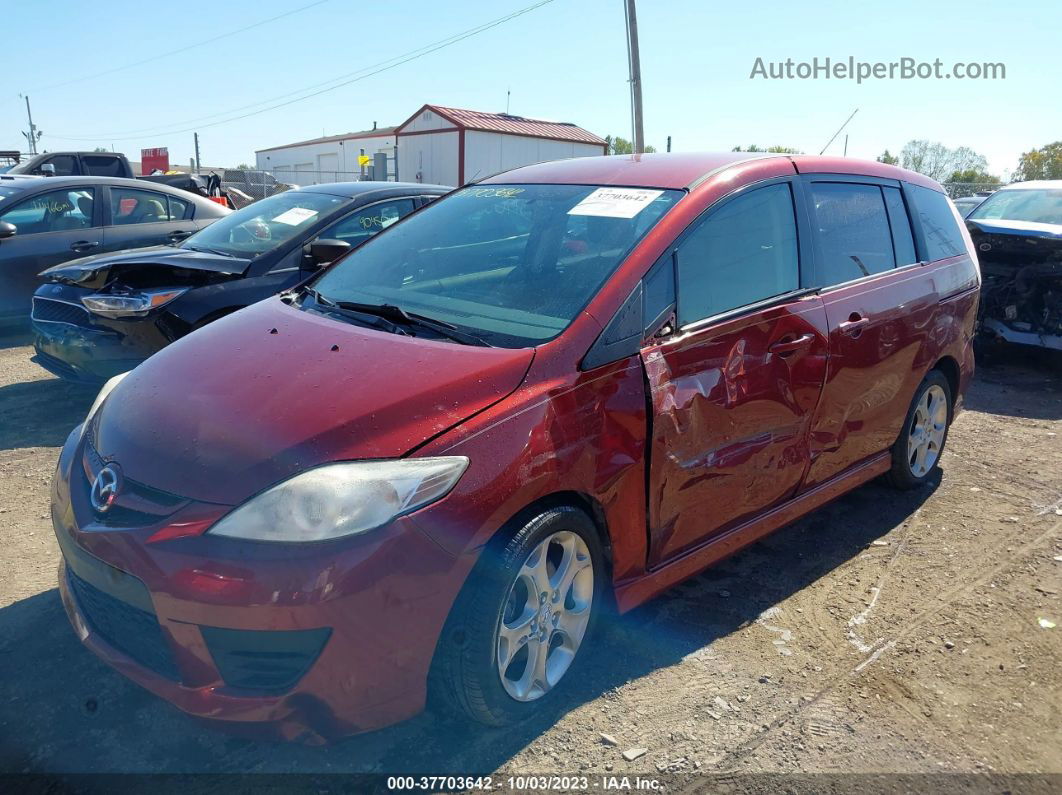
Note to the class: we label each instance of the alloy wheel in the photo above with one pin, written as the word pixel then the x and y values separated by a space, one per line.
pixel 928 425
pixel 545 616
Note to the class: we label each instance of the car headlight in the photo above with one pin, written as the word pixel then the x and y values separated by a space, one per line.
pixel 342 499
pixel 129 304
pixel 105 390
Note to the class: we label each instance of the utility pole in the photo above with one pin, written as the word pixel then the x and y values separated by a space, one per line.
pixel 34 134
pixel 669 143
pixel 638 144
pixel 198 165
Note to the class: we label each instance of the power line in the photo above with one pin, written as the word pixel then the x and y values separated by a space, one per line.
pixel 328 85
pixel 187 47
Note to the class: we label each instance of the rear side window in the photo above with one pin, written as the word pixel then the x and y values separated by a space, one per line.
pixel 900 223
pixel 742 253
pixel 103 166
pixel 943 238
pixel 853 231
pixel 131 206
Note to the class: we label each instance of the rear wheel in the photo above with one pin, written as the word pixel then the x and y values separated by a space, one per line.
pixel 518 627
pixel 918 449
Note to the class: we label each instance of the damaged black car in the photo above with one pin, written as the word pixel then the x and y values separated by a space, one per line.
pixel 1017 232
pixel 99 316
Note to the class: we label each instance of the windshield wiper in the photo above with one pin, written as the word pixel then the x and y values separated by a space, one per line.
pixel 205 250
pixel 397 314
pixel 369 319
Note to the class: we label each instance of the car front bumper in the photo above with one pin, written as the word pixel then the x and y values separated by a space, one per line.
pixel 305 643
pixel 76 345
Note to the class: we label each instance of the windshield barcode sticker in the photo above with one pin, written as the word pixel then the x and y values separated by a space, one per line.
pixel 616 202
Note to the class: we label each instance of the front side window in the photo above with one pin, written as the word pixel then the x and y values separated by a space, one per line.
pixel 54 211
pixel 362 224
pixel 1040 206
pixel 853 231
pixel 939 225
pixel 513 264
pixel 744 252
pixel 130 206
pixel 266 224
pixel 65 165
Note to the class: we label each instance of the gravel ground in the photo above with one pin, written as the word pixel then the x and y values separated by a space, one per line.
pixel 885 633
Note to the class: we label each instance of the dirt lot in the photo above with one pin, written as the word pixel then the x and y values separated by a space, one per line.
pixel 886 633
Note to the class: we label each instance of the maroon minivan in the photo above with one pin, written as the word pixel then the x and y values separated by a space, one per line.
pixel 558 391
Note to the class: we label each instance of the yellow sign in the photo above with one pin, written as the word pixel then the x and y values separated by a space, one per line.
pixel 364 160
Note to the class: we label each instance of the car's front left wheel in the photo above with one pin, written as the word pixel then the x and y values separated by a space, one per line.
pixel 520 626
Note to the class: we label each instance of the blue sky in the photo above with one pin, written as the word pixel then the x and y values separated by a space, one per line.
pixel 566 61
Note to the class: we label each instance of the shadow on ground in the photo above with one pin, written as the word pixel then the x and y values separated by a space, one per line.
pixel 1030 380
pixel 41 413
pixel 61 710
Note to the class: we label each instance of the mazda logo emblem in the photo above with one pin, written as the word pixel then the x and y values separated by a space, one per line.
pixel 105 488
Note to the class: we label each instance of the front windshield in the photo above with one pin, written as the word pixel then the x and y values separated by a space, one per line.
pixel 1042 206
pixel 513 264
pixel 266 224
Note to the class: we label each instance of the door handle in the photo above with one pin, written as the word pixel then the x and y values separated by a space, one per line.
pixel 178 234
pixel 786 347
pixel 84 245
pixel 854 326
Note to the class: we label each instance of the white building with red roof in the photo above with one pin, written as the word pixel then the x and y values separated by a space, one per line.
pixel 436 145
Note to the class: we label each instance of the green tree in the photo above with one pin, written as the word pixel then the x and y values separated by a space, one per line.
pixel 100 149
pixel 621 146
pixel 784 150
pixel 939 162
pixel 888 158
pixel 1042 163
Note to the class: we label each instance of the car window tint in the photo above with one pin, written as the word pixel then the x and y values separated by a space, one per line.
pixel 941 230
pixel 65 165
pixel 178 208
pixel 54 211
pixel 900 224
pixel 130 206
pixel 362 224
pixel 853 231
pixel 742 253
pixel 103 166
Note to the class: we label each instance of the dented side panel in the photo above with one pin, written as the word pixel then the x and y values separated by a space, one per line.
pixel 730 421
pixel 582 436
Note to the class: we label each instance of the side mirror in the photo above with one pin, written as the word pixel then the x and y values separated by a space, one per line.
pixel 48 169
pixel 325 251
pixel 7 230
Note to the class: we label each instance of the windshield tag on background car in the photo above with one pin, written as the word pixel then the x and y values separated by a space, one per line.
pixel 295 216
pixel 616 202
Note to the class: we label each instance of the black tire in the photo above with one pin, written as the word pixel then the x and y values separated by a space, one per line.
pixel 465 675
pixel 901 475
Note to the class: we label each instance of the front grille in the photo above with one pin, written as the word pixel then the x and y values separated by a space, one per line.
pixel 47 310
pixel 137 505
pixel 134 632
pixel 264 660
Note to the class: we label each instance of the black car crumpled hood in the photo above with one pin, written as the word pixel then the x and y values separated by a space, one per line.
pixel 93 270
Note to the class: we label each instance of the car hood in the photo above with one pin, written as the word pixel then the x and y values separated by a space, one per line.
pixel 92 271
pixel 1005 227
pixel 269 391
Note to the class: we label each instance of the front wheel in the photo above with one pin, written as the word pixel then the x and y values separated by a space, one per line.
pixel 925 430
pixel 519 625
